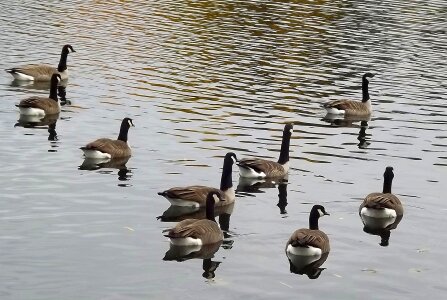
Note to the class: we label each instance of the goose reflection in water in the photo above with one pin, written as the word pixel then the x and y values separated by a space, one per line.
pixel 381 227
pixel 363 138
pixel 307 265
pixel 205 252
pixel 37 122
pixel 124 174
pixel 248 186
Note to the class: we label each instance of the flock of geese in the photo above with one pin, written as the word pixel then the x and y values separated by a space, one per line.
pixel 307 248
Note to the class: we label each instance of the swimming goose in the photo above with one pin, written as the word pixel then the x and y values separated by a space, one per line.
pixel 312 241
pixel 350 107
pixel 196 232
pixel 108 148
pixel 385 204
pixel 42 72
pixel 262 168
pixel 41 106
pixel 195 195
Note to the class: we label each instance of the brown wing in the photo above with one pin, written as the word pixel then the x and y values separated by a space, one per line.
pixel 268 167
pixel 49 106
pixel 206 230
pixel 40 72
pixel 349 106
pixel 308 237
pixel 194 193
pixel 116 148
pixel 380 200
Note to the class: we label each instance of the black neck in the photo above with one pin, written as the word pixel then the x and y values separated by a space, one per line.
pixel 224 221
pixel 209 209
pixel 123 131
pixel 284 154
pixel 63 61
pixel 53 90
pixel 365 92
pixel 226 180
pixel 387 184
pixel 313 220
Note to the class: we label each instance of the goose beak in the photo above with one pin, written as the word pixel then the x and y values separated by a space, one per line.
pixel 327 214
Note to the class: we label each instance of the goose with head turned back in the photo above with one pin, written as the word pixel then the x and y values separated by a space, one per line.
pixel 197 232
pixel 42 72
pixel 41 106
pixel 196 195
pixel 262 168
pixel 312 241
pixel 385 204
pixel 351 107
pixel 108 148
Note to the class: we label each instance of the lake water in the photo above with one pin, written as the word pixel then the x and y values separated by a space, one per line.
pixel 199 79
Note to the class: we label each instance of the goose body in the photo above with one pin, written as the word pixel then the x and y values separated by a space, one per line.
pixel 351 107
pixel 195 195
pixel 42 72
pixel 105 148
pixel 385 204
pixel 309 241
pixel 41 106
pixel 262 168
pixel 195 232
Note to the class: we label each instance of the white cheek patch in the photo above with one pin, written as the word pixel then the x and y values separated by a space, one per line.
pixel 234 159
pixel 320 212
pixel 291 130
pixel 216 199
pixel 130 123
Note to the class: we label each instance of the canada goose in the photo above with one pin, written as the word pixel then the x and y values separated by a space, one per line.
pixel 197 232
pixel 385 204
pixel 41 106
pixel 108 148
pixel 196 195
pixel 262 168
pixel 42 72
pixel 350 107
pixel 312 241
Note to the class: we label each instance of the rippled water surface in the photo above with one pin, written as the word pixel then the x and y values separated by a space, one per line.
pixel 199 79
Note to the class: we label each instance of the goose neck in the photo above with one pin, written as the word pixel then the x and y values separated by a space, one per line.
pixel 226 180
pixel 365 92
pixel 53 90
pixel 62 66
pixel 123 131
pixel 285 145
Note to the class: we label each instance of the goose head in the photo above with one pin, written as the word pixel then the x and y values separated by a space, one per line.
pixel 230 158
pixel 67 49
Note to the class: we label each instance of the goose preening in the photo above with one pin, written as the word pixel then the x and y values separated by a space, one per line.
pixel 262 168
pixel 382 205
pixel 196 195
pixel 312 241
pixel 105 148
pixel 42 72
pixel 195 232
pixel 351 107
pixel 41 106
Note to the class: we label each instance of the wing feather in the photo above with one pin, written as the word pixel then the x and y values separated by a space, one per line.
pixel 381 200
pixel 268 167
pixel 308 237
pixel 116 148
pixel 48 105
